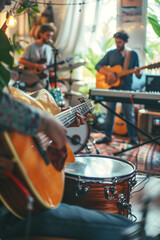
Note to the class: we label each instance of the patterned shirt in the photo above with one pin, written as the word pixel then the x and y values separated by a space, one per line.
pixel 17 116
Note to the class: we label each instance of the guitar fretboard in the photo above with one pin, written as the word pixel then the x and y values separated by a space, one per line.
pixel 68 117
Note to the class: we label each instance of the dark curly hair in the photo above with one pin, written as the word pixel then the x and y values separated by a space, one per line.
pixel 121 35
pixel 46 28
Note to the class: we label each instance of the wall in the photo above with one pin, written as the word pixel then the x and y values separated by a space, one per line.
pixel 135 25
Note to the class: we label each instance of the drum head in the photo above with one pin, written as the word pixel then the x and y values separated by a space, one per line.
pixel 78 137
pixel 99 167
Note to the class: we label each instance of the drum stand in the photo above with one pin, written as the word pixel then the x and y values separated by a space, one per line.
pixel 94 144
pixel 88 148
pixel 70 82
pixel 140 130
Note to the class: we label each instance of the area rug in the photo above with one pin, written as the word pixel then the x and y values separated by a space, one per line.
pixel 146 158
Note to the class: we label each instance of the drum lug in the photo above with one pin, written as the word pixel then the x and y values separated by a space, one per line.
pixel 110 192
pixel 133 182
pixel 81 192
pixel 122 203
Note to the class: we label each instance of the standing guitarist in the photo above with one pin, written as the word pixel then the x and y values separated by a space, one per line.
pixel 35 53
pixel 128 59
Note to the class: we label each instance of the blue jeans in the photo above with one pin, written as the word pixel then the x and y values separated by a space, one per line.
pixel 68 222
pixel 129 114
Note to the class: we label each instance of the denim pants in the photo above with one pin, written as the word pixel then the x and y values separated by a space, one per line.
pixel 128 111
pixel 67 221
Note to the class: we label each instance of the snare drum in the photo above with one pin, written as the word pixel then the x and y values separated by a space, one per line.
pixel 100 182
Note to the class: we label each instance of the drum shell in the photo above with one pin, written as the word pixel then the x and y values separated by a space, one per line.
pixel 96 193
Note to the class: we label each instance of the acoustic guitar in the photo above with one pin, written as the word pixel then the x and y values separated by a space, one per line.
pixel 120 126
pixel 39 171
pixel 41 74
pixel 103 81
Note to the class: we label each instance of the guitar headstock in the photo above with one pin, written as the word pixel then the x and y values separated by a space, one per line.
pixel 154 65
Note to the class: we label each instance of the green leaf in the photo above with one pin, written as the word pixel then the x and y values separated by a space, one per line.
pixel 36 8
pixel 5 48
pixel 4 77
pixel 155 25
pixel 20 10
pixel 157 1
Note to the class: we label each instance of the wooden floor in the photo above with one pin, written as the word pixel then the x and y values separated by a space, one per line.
pixel 147 188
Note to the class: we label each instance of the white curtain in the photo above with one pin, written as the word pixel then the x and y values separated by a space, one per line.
pixel 78 26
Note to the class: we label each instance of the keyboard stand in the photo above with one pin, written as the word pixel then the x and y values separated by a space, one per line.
pixel 133 125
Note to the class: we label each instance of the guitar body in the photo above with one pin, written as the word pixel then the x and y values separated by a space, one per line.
pixel 44 183
pixel 104 82
pixel 40 74
pixel 120 126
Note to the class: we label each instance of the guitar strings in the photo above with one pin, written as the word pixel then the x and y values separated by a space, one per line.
pixel 69 115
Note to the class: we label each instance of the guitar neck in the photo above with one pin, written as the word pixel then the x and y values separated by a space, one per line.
pixel 68 117
pixel 130 71
pixel 60 62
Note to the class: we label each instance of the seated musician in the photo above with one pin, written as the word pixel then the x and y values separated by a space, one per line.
pixel 128 59
pixel 38 55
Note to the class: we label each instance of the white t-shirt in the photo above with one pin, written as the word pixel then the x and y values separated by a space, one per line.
pixel 36 52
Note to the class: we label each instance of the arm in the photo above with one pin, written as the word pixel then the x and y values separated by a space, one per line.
pixel 27 57
pixel 32 65
pixel 28 120
pixel 136 66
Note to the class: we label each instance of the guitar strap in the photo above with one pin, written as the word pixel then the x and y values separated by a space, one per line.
pixel 127 59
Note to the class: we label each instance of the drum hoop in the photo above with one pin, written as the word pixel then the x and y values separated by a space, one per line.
pixel 84 179
pixel 99 180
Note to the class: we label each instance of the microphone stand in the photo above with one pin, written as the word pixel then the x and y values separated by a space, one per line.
pixel 55 52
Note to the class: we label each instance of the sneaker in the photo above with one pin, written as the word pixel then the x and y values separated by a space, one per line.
pixel 104 140
pixel 134 141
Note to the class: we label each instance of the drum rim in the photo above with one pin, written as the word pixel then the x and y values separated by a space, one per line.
pixel 103 180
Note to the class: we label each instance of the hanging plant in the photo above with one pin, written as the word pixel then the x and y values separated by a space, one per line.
pixel 31 9
pixel 16 44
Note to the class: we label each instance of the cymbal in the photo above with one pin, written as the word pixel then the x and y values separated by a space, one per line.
pixel 71 66
pixel 24 75
pixel 28 77
pixel 74 93
pixel 70 80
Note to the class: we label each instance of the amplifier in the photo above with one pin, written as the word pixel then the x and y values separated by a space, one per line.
pixel 152 85
pixel 156 126
pixel 149 122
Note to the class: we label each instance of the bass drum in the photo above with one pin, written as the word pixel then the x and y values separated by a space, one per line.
pixel 77 137
pixel 100 182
